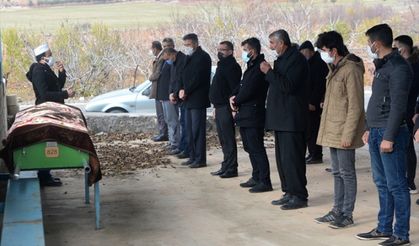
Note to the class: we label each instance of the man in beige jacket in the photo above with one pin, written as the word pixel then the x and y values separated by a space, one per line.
pixel 342 123
pixel 156 50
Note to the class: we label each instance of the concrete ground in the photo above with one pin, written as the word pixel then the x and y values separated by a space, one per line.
pixel 183 206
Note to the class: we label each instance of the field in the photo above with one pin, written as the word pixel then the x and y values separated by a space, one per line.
pixel 117 15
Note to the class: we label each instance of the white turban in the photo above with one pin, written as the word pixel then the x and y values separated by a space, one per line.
pixel 41 49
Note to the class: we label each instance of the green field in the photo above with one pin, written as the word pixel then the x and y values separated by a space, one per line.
pixel 117 15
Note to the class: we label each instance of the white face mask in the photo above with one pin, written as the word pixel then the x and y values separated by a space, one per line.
pixel 371 54
pixel 51 61
pixel 326 57
pixel 188 51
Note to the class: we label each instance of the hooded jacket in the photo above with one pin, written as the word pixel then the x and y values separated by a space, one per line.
pixel 343 117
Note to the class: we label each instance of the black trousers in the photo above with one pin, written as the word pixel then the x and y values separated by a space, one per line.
pixel 227 137
pixel 196 122
pixel 252 138
pixel 314 150
pixel 290 149
pixel 411 158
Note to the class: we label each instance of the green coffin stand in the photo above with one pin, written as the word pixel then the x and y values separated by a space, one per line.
pixel 49 155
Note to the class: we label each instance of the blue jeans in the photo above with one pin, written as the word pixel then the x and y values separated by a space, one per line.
pixel 389 174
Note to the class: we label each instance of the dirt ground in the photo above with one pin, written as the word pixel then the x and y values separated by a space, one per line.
pixel 174 205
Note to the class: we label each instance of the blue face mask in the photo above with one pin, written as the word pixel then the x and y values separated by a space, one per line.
pixel 170 62
pixel 245 56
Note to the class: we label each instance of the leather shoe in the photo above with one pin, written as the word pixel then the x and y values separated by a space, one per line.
pixel 227 175
pixel 54 182
pixel 160 138
pixel 198 165
pixel 260 188
pixel 249 183
pixel 182 155
pixel 187 163
pixel 283 200
pixel 314 161
pixel 217 173
pixel 294 203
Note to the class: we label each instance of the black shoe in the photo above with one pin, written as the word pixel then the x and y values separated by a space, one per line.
pixel 198 165
pixel 395 241
pixel 308 157
pixel 328 218
pixel 174 152
pixel 342 222
pixel 182 155
pixel 160 138
pixel 374 234
pixel 229 174
pixel 259 188
pixel 285 198
pixel 314 161
pixel 249 183
pixel 187 163
pixel 328 169
pixel 53 182
pixel 294 203
pixel 217 173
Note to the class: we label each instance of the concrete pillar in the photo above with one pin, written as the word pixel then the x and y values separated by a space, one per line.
pixel 3 106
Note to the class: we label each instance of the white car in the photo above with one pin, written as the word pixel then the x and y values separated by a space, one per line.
pixel 130 100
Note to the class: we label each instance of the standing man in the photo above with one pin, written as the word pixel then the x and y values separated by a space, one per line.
pixel 248 101
pixel 404 45
pixel 316 90
pixel 48 88
pixel 342 124
pixel 387 136
pixel 226 79
pixel 156 49
pixel 286 115
pixel 170 110
pixel 178 59
pixel 196 78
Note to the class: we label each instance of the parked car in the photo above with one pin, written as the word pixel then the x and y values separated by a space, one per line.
pixel 130 100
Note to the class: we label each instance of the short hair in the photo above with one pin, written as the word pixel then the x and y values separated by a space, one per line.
pixel 253 43
pixel 282 35
pixel 330 40
pixel 382 33
pixel 229 44
pixel 406 41
pixel 156 45
pixel 168 41
pixel 169 51
pixel 191 36
pixel 306 45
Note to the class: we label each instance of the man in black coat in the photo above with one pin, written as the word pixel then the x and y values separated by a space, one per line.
pixel 196 78
pixel 48 88
pixel 286 115
pixel 178 59
pixel 170 110
pixel 316 90
pixel 404 44
pixel 226 79
pixel 248 101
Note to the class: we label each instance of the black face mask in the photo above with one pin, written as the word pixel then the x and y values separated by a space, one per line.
pixel 220 56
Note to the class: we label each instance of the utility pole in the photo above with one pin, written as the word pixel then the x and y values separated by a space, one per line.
pixel 3 106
